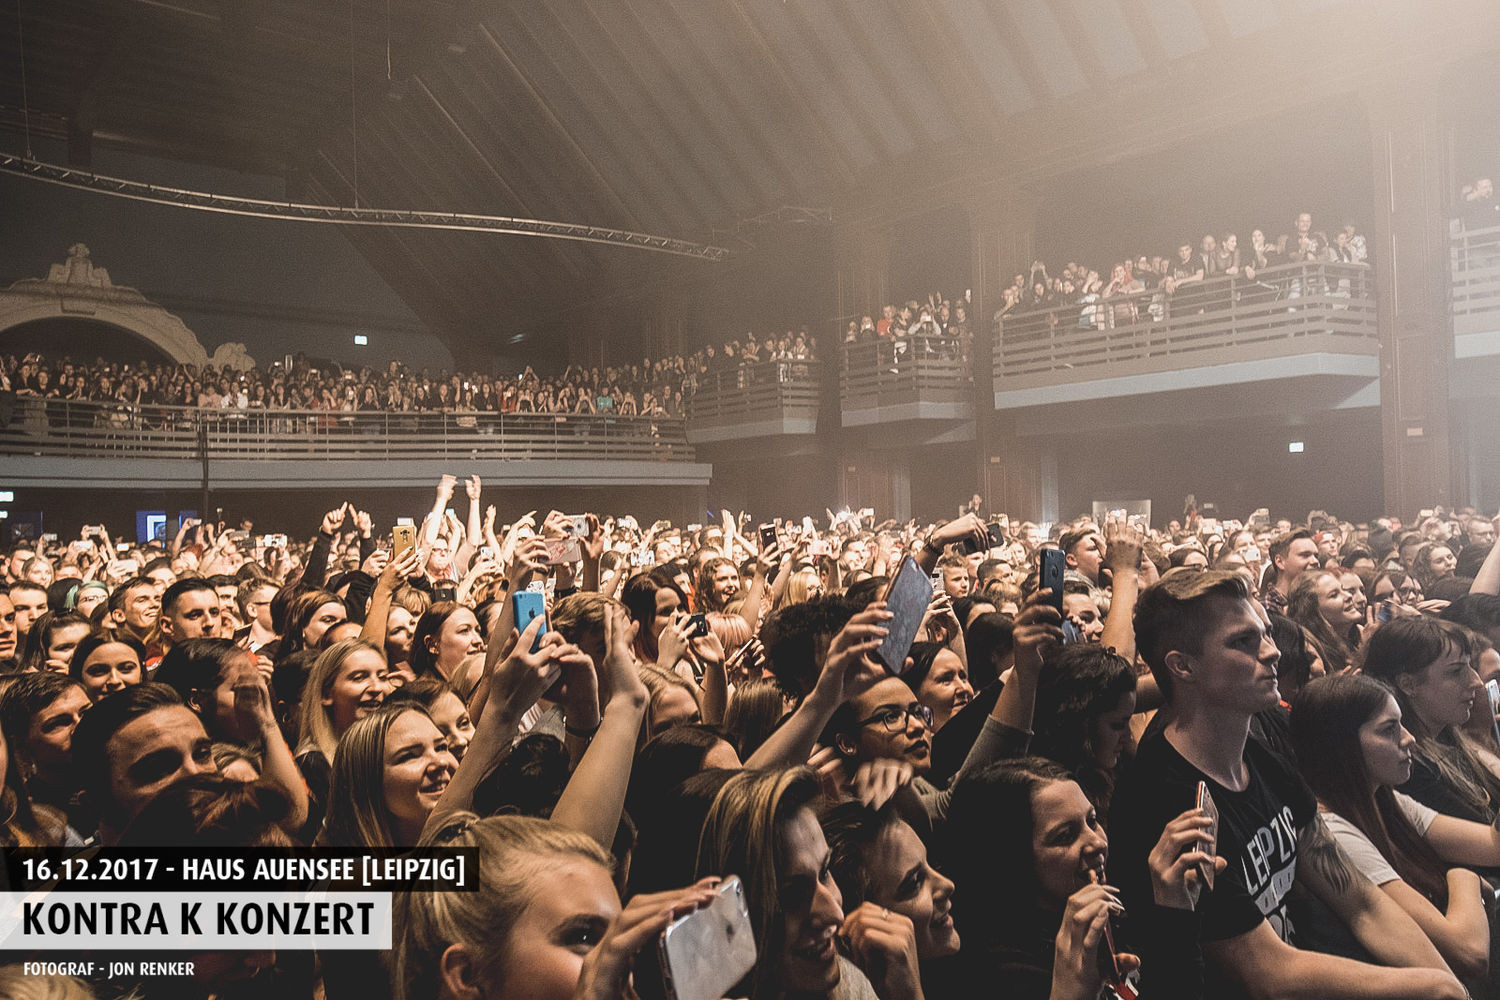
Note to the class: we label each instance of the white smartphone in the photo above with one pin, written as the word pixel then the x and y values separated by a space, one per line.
pixel 706 952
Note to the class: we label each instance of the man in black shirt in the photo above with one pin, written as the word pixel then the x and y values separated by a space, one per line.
pixel 1206 642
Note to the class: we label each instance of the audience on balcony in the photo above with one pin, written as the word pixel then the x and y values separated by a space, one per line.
pixel 1165 279
pixel 651 388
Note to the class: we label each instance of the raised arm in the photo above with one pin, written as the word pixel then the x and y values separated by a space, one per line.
pixel 406 564
pixel 595 795
pixel 765 562
pixel 847 670
pixel 1487 580
pixel 968 526
pixel 474 530
pixel 1124 544
pixel 434 523
pixel 256 718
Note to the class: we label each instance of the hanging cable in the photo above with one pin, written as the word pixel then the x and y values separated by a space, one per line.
pixel 353 108
pixel 25 101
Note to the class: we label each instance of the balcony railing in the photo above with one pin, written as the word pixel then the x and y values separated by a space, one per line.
pixel 905 378
pixel 758 400
pixel 1475 259
pixel 1293 309
pixel 76 429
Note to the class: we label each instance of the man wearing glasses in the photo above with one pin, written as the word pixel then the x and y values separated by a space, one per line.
pixel 883 735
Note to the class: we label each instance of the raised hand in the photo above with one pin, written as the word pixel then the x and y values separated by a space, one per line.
pixel 885 945
pixel 364 523
pixel 333 520
pixel 848 669
pixel 1038 631
pixel 445 487
pixel 606 969
pixel 472 489
pixel 877 780
pixel 1075 967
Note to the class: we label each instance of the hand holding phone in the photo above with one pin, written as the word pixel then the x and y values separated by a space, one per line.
pixel 705 953
pixel 1053 564
pixel 1210 842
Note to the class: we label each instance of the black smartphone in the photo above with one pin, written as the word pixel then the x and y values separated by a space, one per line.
pixel 906 598
pixel 995 539
pixel 696 625
pixel 1054 563
pixel 767 536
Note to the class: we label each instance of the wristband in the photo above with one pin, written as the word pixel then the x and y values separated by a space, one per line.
pixel 586 734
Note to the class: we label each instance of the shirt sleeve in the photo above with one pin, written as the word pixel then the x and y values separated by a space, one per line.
pixel 1420 816
pixel 1365 855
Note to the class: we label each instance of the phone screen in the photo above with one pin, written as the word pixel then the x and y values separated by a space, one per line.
pixel 906 598
pixel 1054 562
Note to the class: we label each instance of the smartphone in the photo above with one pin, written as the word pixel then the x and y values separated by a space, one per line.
pixel 1211 837
pixel 1384 612
pixel 1492 688
pixel 640 558
pixel 1054 563
pixel 563 550
pixel 530 605
pixel 403 536
pixel 1109 966
pixel 696 625
pixel 995 539
pixel 767 536
pixel 486 552
pixel 906 597
pixel 705 953
pixel 578 525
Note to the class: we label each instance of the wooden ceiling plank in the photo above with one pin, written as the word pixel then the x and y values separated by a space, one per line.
pixel 544 107
pixel 684 210
pixel 1144 32
pixel 707 72
pixel 1020 52
pixel 664 121
pixel 1215 25
pixel 1075 32
pixel 792 97
pixel 868 128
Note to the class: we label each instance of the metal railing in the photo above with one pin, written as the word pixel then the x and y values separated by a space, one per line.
pixel 1475 273
pixel 903 370
pixel 76 429
pixel 1285 310
pixel 755 393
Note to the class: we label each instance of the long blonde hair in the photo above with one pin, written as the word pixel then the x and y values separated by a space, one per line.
pixel 357 813
pixel 315 728
pixel 515 853
pixel 742 835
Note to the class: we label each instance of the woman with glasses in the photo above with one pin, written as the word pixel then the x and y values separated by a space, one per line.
pixel 1397 586
pixel 886 723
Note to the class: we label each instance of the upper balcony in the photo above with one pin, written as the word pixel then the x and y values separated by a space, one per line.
pixel 1308 321
pixel 1475 268
pixel 60 443
pixel 767 399
pixel 905 378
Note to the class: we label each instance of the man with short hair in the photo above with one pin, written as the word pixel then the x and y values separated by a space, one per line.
pixel 18 556
pixel 8 645
pixel 132 745
pixel 30 602
pixel 1292 553
pixel 1083 548
pixel 189 610
pixel 1207 644
pixel 134 607
pixel 955 571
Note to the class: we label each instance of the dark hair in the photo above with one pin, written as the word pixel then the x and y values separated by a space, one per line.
pixel 423 661
pixel 1077 685
pixel 422 692
pixel 210 810
pixel 851 829
pixel 25 697
pixel 990 818
pixel 299 614
pixel 639 598
pixel 1294 669
pixel 35 655
pixel 923 655
pixel 116 601
pixel 1409 645
pixel 1476 612
pixel 197 665
pixel 174 593
pixel 91 642
pixel 757 708
pixel 529 779
pixel 790 636
pixel 1302 607
pixel 99 725
pixel 989 640
pixel 1282 544
pixel 1325 731
pixel 665 762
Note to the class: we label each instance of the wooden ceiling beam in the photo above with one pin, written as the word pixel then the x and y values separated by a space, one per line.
pixel 1015 44
pixel 935 40
pixel 1215 25
pixel 1075 33
pixel 1147 40
pixel 791 96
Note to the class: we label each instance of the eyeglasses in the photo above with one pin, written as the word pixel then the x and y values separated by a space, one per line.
pixel 893 717
pixel 1413 590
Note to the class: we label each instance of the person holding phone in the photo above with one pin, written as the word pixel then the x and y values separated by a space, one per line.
pixel 1208 647
pixel 1023 831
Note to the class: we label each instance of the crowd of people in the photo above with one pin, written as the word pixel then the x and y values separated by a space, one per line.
pixel 656 387
pixel 1096 784
pixel 1165 277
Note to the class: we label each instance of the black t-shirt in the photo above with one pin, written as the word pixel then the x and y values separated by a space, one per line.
pixel 1257 835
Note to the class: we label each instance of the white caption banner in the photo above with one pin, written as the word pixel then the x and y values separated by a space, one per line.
pixel 196 921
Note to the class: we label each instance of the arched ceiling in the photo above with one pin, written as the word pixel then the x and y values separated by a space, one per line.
pixel 664 116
